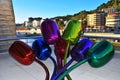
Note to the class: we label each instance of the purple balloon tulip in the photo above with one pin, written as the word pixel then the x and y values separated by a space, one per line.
pixel 79 51
pixel 50 31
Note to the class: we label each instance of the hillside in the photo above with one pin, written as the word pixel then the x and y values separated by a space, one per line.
pixel 110 4
pixel 82 14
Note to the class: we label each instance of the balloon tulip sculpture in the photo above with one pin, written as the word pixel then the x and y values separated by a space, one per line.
pixel 78 53
pixel 43 51
pixel 71 34
pixel 100 54
pixel 25 55
pixel 51 34
pixel 60 48
pixel 83 50
pixel 50 31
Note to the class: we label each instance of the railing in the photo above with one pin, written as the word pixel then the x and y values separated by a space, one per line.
pixel 114 40
pixel 104 37
pixel 18 38
pixel 4 46
pixel 111 39
pixel 29 40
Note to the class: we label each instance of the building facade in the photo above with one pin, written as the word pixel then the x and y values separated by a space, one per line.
pixel 96 21
pixel 110 10
pixel 113 22
pixel 35 22
pixel 7 23
pixel 7 19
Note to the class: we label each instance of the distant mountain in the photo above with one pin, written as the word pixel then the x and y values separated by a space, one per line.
pixel 110 4
pixel 83 14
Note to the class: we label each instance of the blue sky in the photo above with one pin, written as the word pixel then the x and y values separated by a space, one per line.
pixel 51 8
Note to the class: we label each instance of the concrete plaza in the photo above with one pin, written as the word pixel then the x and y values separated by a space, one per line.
pixel 10 69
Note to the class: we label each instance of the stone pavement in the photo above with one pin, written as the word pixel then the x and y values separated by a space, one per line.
pixel 10 69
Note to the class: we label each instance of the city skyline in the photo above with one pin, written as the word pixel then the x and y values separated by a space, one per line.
pixel 48 9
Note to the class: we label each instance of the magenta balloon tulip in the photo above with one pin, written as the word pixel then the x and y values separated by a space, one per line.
pixel 50 31
pixel 60 48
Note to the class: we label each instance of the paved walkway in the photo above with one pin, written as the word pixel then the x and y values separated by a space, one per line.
pixel 12 70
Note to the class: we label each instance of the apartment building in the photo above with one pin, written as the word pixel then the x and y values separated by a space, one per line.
pixel 96 21
pixel 113 21
pixel 109 10
pixel 35 22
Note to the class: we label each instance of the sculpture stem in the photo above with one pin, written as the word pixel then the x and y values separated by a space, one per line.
pixel 55 66
pixel 45 68
pixel 65 59
pixel 71 68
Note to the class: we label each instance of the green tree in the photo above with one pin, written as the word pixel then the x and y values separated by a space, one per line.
pixel 81 15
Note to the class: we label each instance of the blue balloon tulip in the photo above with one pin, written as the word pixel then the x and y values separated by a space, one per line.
pixel 43 52
pixel 42 49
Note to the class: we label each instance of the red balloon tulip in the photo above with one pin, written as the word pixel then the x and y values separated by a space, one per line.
pixel 25 55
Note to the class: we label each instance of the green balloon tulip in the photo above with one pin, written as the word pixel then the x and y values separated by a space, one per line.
pixel 72 31
pixel 101 53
